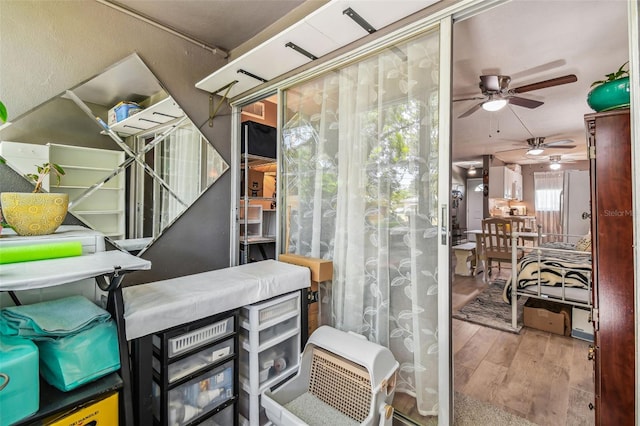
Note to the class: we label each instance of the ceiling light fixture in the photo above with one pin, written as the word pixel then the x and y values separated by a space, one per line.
pixel 554 166
pixel 535 151
pixel 472 171
pixel 494 104
pixel 555 162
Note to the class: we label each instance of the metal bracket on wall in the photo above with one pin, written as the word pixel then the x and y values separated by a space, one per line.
pixel 213 109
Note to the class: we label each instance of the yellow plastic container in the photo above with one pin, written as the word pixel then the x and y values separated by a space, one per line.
pixel 101 412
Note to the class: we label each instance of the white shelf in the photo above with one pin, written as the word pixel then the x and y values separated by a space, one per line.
pixel 321 32
pixel 90 212
pixel 103 210
pixel 155 115
pixel 76 167
pixel 53 272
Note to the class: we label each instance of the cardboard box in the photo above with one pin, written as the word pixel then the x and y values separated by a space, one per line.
pixel 321 270
pixel 101 412
pixel 547 316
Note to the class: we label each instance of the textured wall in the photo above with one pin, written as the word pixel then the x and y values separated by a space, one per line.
pixel 49 46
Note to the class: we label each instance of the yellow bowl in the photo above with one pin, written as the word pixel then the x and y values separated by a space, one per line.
pixel 34 213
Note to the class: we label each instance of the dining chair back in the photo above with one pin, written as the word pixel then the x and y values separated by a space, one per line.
pixel 496 237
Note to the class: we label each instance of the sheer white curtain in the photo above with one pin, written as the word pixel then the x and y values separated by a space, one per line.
pixel 548 193
pixel 360 179
pixel 179 160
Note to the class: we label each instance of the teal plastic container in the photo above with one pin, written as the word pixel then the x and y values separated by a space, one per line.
pixel 19 383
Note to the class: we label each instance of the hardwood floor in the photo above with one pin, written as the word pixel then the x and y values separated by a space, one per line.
pixel 543 377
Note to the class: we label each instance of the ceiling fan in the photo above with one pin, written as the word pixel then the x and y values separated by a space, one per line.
pixel 556 160
pixel 537 145
pixel 496 92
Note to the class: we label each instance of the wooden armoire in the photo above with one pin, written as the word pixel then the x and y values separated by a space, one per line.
pixel 613 351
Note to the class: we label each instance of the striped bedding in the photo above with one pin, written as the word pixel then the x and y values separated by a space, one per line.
pixel 573 265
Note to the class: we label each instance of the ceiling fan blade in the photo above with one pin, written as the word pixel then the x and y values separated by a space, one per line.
pixel 471 110
pixel 514 149
pixel 570 78
pixel 523 102
pixel 545 146
pixel 559 142
pixel 477 98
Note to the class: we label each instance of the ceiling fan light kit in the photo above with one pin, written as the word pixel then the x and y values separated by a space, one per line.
pixel 535 151
pixel 494 104
pixel 554 166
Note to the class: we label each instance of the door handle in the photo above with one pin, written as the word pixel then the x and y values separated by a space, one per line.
pixel 591 355
pixel 444 227
pixel 586 215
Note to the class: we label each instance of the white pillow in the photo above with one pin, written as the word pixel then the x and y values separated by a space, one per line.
pixel 584 243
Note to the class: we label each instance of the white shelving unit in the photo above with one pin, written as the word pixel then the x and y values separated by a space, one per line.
pixel 103 209
pixel 269 351
pixel 257 222
pixel 24 157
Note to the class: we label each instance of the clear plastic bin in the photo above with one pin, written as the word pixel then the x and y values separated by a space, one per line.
pixel 266 313
pixel 182 368
pixel 274 362
pixel 223 418
pixel 196 338
pixel 274 332
pixel 196 397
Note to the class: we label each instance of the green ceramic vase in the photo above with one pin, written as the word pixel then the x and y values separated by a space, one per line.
pixel 610 95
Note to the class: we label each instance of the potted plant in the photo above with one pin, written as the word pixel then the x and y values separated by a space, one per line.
pixel 36 213
pixel 3 112
pixel 611 93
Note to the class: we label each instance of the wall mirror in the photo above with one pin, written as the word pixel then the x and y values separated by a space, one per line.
pixel 130 172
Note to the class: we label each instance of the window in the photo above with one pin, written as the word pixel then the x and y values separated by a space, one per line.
pixel 548 200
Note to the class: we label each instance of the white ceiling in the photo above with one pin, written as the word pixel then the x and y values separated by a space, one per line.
pixel 529 40
pixel 533 40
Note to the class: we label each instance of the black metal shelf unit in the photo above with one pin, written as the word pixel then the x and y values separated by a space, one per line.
pixel 195 372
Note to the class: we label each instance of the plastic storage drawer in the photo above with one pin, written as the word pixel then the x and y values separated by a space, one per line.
pixel 199 360
pixel 197 397
pixel 264 314
pixel 275 362
pixel 223 418
pixel 193 339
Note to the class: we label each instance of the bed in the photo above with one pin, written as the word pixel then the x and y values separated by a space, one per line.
pixel 555 271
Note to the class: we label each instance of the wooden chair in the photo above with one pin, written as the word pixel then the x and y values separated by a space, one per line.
pixel 518 224
pixel 496 238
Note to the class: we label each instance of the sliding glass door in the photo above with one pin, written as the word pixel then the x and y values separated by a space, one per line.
pixel 365 172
